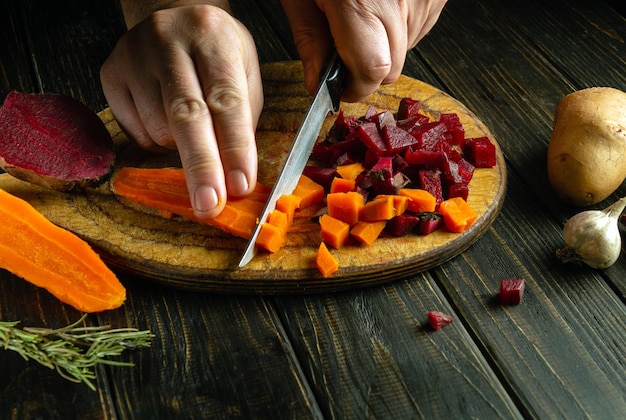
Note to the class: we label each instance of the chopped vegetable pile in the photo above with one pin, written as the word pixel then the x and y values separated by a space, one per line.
pixel 380 174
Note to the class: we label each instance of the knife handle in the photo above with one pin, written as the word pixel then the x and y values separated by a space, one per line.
pixel 335 77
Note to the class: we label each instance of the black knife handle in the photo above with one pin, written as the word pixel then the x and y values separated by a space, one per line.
pixel 336 79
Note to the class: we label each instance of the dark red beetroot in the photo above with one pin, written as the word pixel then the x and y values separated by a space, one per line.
pixel 54 141
pixel 438 319
pixel 511 291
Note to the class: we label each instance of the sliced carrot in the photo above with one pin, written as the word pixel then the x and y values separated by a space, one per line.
pixel 288 204
pixel 280 220
pixel 339 184
pixel 334 232
pixel 419 200
pixel 309 192
pixel 51 257
pixel 380 208
pixel 367 232
pixel 270 237
pixel 400 203
pixel 326 263
pixel 166 190
pixel 458 215
pixel 350 171
pixel 345 206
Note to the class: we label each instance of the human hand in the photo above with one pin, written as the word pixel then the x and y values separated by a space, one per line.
pixel 371 36
pixel 188 78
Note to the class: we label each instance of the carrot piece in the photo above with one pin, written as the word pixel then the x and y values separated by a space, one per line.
pixel 400 202
pixel 367 232
pixel 457 214
pixel 350 171
pixel 334 232
pixel 288 203
pixel 339 184
pixel 51 257
pixel 166 190
pixel 345 206
pixel 381 208
pixel 325 261
pixel 280 220
pixel 419 200
pixel 270 237
pixel 308 191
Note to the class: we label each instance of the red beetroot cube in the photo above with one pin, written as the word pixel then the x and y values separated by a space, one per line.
pixel 438 319
pixel 430 134
pixel 396 138
pixel 403 224
pixel 408 107
pixel 430 180
pixel 425 157
pixel 429 222
pixel 511 291
pixel 412 122
pixel 371 138
pixel 456 133
pixel 480 152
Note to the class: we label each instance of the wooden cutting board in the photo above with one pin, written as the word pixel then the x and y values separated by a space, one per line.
pixel 187 255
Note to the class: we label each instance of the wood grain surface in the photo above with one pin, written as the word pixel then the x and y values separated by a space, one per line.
pixel 189 255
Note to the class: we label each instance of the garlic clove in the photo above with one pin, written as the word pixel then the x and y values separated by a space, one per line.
pixel 593 237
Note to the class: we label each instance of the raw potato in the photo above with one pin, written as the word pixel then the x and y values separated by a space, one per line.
pixel 587 151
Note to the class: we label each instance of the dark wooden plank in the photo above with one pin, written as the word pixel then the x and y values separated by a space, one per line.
pixel 213 357
pixel 370 353
pixel 16 71
pixel 68 41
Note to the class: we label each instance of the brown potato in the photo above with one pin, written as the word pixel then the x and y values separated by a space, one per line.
pixel 587 151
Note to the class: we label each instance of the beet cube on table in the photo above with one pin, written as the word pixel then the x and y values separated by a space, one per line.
pixel 511 291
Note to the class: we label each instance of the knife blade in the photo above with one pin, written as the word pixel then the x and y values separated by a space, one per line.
pixel 326 100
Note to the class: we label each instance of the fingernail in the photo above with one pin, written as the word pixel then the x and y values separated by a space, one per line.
pixel 237 183
pixel 205 199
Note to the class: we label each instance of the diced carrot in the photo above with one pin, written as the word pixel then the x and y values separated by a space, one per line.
pixel 400 203
pixel 419 200
pixel 334 232
pixel 367 232
pixel 457 214
pixel 342 185
pixel 326 263
pixel 350 171
pixel 345 206
pixel 381 208
pixel 270 237
pixel 280 220
pixel 288 204
pixel 309 192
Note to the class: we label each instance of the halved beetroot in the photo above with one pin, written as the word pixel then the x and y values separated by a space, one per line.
pixel 54 141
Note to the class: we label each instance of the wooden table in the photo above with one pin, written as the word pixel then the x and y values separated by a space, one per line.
pixel 366 352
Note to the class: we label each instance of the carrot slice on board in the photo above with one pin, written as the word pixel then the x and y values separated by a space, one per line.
pixel 419 200
pixel 308 191
pixel 350 171
pixel 367 232
pixel 325 261
pixel 270 237
pixel 458 215
pixel 345 206
pixel 380 208
pixel 51 257
pixel 334 232
pixel 342 185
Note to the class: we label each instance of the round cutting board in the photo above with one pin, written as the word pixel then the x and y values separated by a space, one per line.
pixel 188 255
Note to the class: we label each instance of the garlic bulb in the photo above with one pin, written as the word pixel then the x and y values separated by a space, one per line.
pixel 593 237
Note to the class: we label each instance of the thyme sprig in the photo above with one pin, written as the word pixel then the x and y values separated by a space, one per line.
pixel 73 350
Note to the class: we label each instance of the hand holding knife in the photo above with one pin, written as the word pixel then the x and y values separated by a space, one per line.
pixel 326 100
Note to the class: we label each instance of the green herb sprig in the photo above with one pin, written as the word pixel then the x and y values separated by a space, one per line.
pixel 73 350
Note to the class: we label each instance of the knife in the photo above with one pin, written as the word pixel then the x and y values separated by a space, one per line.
pixel 326 100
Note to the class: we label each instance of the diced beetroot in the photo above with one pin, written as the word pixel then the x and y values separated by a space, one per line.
pixel 438 319
pixel 398 163
pixel 448 149
pixel 411 123
pixel 456 133
pixel 425 157
pixel 480 152
pixel 408 107
pixel 321 175
pixel 430 134
pixel 460 189
pixel 466 170
pixel 384 164
pixel 511 291
pixel 369 113
pixel 323 154
pixel 403 224
pixel 54 141
pixel 429 222
pixel 345 159
pixel 382 119
pixel 371 138
pixel 397 139
pixel 430 180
